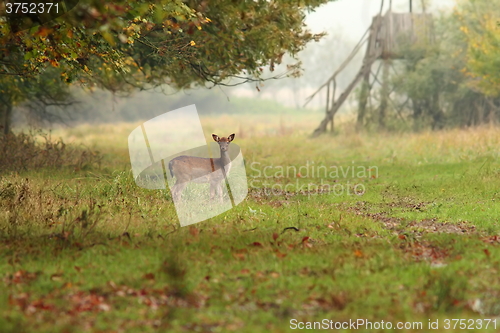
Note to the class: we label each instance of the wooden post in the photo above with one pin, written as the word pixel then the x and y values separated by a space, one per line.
pixel 333 102
pixel 384 94
pixel 327 100
pixel 363 99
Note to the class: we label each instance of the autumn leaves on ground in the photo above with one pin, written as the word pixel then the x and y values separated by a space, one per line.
pixel 83 249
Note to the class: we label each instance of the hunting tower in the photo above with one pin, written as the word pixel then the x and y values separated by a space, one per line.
pixel 386 38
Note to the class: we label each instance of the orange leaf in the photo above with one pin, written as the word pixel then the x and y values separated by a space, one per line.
pixel 305 239
pixel 239 256
pixel 275 236
pixel 358 253
pixel 43 32
pixel 194 231
pixel 280 255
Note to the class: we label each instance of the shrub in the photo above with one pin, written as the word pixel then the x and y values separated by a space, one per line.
pixel 36 149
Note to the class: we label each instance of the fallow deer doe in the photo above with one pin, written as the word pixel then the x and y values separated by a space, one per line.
pixel 202 170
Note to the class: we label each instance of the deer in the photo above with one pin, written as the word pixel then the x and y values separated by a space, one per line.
pixel 202 170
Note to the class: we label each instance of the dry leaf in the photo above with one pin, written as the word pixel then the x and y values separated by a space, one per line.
pixel 194 231
pixel 358 253
pixel 239 256
pixel 149 276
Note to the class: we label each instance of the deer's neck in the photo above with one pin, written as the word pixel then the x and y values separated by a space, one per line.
pixel 224 158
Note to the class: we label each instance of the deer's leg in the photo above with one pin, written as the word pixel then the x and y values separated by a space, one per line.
pixel 219 191
pixel 177 190
pixel 212 190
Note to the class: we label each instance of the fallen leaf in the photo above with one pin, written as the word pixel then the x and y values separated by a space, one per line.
pixel 56 277
pixel 239 256
pixel 275 236
pixel 358 253
pixel 194 231
pixel 280 255
pixel 149 276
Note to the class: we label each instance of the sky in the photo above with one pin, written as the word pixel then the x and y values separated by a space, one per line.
pixel 355 15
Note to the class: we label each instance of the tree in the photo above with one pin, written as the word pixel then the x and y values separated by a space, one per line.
pixel 127 44
pixel 480 29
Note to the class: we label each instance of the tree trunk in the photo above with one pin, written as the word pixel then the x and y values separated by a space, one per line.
pixel 5 115
pixel 417 114
pixel 437 113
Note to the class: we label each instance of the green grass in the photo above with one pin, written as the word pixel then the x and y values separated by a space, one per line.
pixel 89 251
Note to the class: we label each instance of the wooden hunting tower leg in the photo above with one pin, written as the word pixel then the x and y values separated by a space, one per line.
pixel 363 99
pixel 384 94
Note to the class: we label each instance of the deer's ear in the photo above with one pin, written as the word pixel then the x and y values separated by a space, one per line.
pixel 216 137
pixel 231 137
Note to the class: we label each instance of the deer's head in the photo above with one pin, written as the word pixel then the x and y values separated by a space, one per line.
pixel 223 142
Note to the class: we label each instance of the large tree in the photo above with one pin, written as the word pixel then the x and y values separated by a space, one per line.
pixel 480 28
pixel 127 44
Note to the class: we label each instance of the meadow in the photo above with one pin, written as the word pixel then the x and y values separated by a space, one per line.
pixel 400 230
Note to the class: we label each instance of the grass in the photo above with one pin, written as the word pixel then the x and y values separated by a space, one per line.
pixel 89 251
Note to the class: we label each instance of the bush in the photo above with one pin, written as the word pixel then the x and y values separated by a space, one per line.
pixel 25 151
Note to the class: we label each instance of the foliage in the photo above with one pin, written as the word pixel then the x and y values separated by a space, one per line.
pixel 44 97
pixel 129 43
pixel 479 26
pixel 37 150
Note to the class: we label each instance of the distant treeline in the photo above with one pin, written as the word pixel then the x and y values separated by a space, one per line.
pixel 102 107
